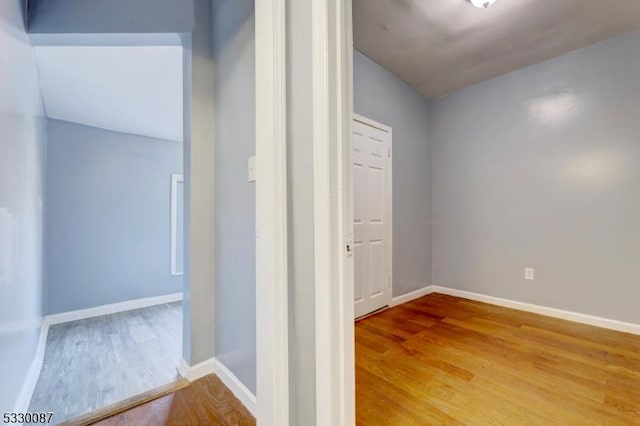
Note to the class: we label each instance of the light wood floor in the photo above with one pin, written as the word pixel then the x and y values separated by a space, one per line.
pixel 446 360
pixel 204 402
pixel 95 362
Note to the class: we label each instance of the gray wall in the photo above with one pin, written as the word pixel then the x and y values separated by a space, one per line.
pixel 113 16
pixel 541 168
pixel 199 272
pixel 108 216
pixel 383 97
pixel 235 308
pixel 22 144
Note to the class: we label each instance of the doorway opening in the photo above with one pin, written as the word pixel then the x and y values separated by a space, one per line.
pixel 113 218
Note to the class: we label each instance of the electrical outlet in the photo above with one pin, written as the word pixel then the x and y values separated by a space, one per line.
pixel 528 274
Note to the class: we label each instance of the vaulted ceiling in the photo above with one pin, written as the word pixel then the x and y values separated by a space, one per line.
pixel 129 89
pixel 440 46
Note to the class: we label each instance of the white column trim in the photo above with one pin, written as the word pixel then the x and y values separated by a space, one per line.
pixel 333 211
pixel 271 215
pixel 324 344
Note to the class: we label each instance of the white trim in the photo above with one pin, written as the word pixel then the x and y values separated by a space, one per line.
pixel 197 371
pixel 29 385
pixel 369 122
pixel 112 308
pixel 246 397
pixel 609 324
pixel 183 368
pixel 175 180
pixel 322 231
pixel 408 297
pixel 331 52
pixel 272 292
pixel 389 205
pixel 344 352
pixel 543 310
pixel 214 366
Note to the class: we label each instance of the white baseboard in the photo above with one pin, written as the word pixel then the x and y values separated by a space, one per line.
pixel 241 392
pixel 214 366
pixel 113 308
pixel 29 384
pixel 30 381
pixel 197 371
pixel 542 310
pixel 527 307
pixel 399 300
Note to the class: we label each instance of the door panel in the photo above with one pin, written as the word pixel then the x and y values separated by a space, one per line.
pixel 360 267
pixel 372 207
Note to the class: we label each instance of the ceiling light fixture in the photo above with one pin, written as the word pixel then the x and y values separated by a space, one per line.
pixel 482 4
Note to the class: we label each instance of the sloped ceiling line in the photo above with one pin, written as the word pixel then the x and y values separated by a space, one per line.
pixel 128 89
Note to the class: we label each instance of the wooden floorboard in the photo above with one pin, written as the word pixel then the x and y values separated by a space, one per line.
pixel 446 360
pixel 127 404
pixel 204 402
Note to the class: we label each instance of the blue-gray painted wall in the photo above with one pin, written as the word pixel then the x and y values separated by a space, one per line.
pixel 22 151
pixel 235 309
pixel 110 16
pixel 199 146
pixel 383 97
pixel 108 216
pixel 541 168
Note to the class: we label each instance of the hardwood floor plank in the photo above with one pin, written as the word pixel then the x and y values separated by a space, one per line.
pixel 444 360
pixel 204 402
pixel 111 410
pixel 392 400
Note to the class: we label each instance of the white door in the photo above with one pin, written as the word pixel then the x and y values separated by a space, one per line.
pixel 371 157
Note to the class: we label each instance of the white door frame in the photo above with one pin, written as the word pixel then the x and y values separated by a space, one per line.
pixel 388 200
pixel 332 45
pixel 332 57
pixel 272 342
